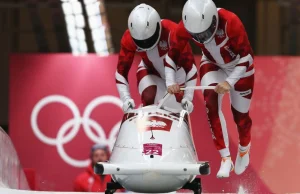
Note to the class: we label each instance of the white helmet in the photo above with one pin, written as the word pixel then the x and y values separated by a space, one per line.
pixel 200 18
pixel 144 24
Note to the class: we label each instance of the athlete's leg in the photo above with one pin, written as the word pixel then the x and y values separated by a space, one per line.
pixel 240 97
pixel 146 85
pixel 211 75
pixel 152 88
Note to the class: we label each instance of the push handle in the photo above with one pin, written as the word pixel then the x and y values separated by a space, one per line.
pixel 165 98
pixel 199 88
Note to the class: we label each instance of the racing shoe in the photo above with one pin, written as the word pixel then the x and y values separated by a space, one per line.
pixel 226 168
pixel 242 159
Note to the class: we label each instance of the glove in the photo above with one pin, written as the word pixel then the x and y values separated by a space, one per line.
pixel 187 105
pixel 128 104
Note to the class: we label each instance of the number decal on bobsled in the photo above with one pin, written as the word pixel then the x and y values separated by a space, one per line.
pixel 152 149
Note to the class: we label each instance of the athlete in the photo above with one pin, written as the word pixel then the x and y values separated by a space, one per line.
pixel 150 37
pixel 227 63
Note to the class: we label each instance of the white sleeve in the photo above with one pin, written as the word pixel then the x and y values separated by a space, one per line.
pixel 240 69
pixel 170 71
pixel 123 87
pixel 191 80
pixel 236 74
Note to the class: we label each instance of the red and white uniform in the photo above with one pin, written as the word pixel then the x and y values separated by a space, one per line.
pixel 151 71
pixel 227 57
pixel 88 181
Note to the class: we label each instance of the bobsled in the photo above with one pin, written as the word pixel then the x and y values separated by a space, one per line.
pixel 154 152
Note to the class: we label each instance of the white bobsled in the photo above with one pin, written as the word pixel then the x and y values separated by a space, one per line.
pixel 154 153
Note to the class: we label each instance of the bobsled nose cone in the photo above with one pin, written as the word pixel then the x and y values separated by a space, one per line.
pixel 98 169
pixel 204 169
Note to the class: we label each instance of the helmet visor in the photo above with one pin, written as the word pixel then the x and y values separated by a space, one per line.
pixel 202 37
pixel 149 42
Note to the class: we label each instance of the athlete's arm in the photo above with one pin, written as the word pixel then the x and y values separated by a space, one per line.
pixel 187 62
pixel 126 57
pixel 178 41
pixel 238 36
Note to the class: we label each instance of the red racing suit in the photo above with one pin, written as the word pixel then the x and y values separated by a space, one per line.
pixel 88 181
pixel 151 71
pixel 227 57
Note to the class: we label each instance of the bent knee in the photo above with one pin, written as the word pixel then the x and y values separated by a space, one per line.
pixel 148 95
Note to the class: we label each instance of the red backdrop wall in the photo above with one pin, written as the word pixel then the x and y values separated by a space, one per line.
pixel 46 91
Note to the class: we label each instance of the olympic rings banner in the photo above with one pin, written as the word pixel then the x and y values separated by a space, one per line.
pixel 60 105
